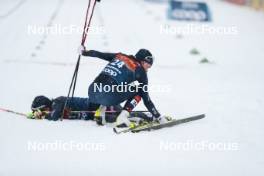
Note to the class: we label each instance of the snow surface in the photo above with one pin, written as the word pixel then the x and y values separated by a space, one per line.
pixel 229 90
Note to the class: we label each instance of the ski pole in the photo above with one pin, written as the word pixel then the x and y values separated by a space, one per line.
pixel 13 112
pixel 84 36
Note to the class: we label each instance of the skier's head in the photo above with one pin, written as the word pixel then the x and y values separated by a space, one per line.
pixel 145 57
pixel 41 103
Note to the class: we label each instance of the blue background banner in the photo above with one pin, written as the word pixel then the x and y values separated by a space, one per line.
pixel 190 11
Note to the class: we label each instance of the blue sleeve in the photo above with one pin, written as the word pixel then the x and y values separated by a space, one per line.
pixel 105 56
pixel 141 77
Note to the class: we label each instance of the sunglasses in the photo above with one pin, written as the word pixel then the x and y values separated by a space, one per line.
pixel 40 108
pixel 149 59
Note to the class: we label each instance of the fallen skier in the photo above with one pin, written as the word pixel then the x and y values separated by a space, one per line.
pixel 78 108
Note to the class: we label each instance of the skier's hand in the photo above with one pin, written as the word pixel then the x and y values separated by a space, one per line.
pixel 33 115
pixel 81 49
pixel 39 114
pixel 30 115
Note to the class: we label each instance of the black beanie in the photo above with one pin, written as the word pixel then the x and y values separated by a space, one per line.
pixel 144 55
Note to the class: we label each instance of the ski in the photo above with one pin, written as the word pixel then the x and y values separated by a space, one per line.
pixel 108 111
pixel 155 125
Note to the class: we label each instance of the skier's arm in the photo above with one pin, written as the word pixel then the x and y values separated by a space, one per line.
pixel 141 76
pixel 105 56
pixel 149 104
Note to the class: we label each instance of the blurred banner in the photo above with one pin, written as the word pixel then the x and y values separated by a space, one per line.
pixel 157 1
pixel 189 11
pixel 256 4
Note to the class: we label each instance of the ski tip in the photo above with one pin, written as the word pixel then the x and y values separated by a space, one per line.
pixel 202 116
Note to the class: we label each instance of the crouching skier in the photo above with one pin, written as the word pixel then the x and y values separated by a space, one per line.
pixel 122 70
pixel 78 108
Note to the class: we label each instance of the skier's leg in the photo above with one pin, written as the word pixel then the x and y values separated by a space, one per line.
pixel 122 119
pixel 132 103
pixel 82 104
pixel 110 117
pixel 105 99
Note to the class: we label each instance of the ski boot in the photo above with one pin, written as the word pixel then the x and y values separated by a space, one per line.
pixel 122 120
pixel 99 115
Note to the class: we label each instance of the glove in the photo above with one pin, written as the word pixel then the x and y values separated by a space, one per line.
pixel 37 115
pixel 81 49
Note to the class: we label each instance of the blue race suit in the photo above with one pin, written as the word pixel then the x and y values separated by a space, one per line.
pixel 121 69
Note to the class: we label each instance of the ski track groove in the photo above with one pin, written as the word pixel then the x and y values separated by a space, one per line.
pixel 13 9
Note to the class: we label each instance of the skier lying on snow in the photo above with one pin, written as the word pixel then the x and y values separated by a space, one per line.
pixel 78 108
pixel 124 70
pixel 44 108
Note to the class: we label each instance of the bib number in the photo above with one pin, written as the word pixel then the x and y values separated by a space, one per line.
pixel 118 63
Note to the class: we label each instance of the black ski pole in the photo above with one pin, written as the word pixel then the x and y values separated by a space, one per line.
pixel 84 36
